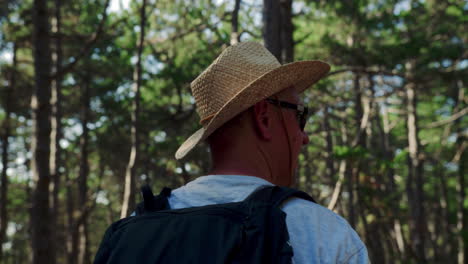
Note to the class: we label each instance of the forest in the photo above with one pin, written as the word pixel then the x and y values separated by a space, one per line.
pixel 95 99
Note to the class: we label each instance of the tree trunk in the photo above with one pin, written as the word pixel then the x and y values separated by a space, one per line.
pixel 147 160
pixel 329 139
pixel 272 27
pixel 462 214
pixel 5 145
pixel 278 29
pixel 56 135
pixel 337 190
pixel 130 175
pixel 415 180
pixel 4 179
pixel 81 224
pixel 350 188
pixel 444 233
pixel 72 238
pixel 330 162
pixel 462 159
pixel 235 36
pixel 389 176
pixel 361 124
pixel 287 30
pixel 353 170
pixel 40 146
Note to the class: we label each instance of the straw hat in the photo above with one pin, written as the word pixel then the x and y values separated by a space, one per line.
pixel 241 76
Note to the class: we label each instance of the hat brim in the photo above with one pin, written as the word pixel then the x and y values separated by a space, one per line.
pixel 301 75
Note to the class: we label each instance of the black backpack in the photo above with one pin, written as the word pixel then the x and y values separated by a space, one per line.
pixel 251 231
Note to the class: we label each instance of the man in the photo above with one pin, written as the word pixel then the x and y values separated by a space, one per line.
pixel 253 120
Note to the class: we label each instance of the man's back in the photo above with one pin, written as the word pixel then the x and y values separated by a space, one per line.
pixel 317 235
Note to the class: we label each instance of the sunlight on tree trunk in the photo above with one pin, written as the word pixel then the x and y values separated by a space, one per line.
pixel 55 136
pixel 461 158
pixel 130 175
pixel 235 36
pixel 337 190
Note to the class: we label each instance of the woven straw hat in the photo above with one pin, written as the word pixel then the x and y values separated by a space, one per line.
pixel 241 76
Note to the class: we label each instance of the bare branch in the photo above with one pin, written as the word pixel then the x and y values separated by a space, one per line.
pixel 366 71
pixel 250 33
pixel 461 149
pixel 304 38
pixel 197 28
pixel 452 118
pixel 88 46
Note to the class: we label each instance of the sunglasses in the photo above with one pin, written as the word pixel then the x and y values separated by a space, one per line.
pixel 301 110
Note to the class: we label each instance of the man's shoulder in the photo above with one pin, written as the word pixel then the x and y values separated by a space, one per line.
pixel 316 230
pixel 313 211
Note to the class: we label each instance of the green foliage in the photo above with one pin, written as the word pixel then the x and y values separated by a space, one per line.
pixel 393 43
pixel 345 152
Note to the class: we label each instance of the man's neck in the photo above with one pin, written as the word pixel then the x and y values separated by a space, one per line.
pixel 241 166
pixel 239 171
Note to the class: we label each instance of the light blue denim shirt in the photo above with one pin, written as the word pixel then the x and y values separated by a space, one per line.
pixel 316 234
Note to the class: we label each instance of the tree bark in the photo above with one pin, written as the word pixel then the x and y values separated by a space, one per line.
pixel 462 214
pixel 353 170
pixel 81 225
pixel 388 180
pixel 235 36
pixel 442 238
pixel 5 146
pixel 4 180
pixel 278 29
pixel 40 146
pixel 330 162
pixel 337 190
pixel 350 188
pixel 56 135
pixel 361 123
pixel 72 238
pixel 461 158
pixel 287 30
pixel 130 175
pixel 329 139
pixel 415 181
pixel 272 27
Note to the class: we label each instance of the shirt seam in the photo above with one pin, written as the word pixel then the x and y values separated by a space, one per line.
pixel 354 254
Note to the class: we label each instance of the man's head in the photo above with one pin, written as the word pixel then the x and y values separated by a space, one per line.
pixel 241 78
pixel 265 140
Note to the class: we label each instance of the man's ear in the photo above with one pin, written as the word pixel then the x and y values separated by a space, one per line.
pixel 262 120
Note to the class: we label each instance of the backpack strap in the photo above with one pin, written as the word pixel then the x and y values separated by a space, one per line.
pixel 153 203
pixel 277 195
pixel 148 197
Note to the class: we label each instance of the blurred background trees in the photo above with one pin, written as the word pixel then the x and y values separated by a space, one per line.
pixel 98 91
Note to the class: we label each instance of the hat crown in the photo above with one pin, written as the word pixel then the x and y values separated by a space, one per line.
pixel 229 74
